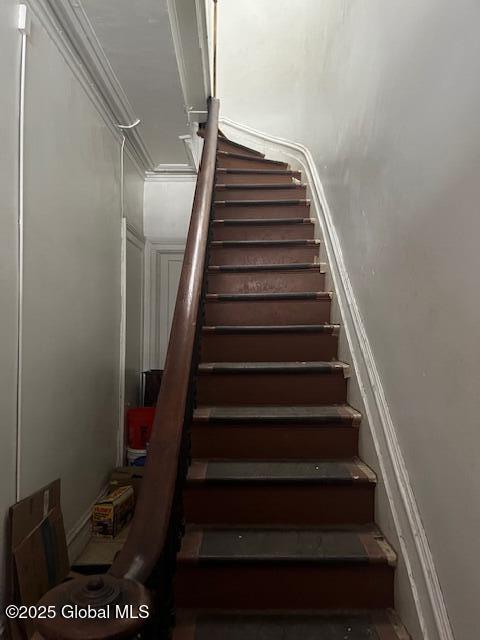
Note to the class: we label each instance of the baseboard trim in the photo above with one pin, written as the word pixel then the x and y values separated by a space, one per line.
pixel 79 534
pixel 424 582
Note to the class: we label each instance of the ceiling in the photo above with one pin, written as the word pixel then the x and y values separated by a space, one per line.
pixel 155 55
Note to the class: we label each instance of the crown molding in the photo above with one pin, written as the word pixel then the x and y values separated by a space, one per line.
pixel 202 26
pixel 179 54
pixel 47 17
pixel 76 29
pixel 188 25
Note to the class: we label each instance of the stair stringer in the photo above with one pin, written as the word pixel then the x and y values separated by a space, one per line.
pixel 419 597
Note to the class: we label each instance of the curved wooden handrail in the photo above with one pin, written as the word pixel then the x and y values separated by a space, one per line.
pixel 149 527
pixel 154 530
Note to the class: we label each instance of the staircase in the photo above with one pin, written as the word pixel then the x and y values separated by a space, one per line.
pixel 280 540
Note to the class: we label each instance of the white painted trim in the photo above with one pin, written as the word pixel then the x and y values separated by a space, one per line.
pixel 79 535
pixel 20 262
pixel 138 240
pixel 167 245
pixel 146 307
pixel 135 234
pixel 425 585
pixel 202 26
pixel 177 45
pixel 182 56
pixel 188 144
pixel 174 168
pixel 188 176
pixel 123 345
pixel 153 248
pixel 74 21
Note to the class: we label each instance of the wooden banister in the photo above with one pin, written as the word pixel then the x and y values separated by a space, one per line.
pixel 148 556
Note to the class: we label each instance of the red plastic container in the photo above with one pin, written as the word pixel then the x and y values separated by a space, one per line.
pixel 139 423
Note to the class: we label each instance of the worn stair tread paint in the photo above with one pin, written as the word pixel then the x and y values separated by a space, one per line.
pixel 332 367
pixel 223 138
pixel 259 185
pixel 268 172
pixel 327 472
pixel 329 414
pixel 321 545
pixel 260 243
pixel 289 625
pixel 331 329
pixel 263 203
pixel 243 156
pixel 247 268
pixel 282 295
pixel 262 222
pixel 241 147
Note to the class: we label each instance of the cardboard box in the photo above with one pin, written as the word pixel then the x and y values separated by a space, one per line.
pixel 39 557
pixel 127 476
pixel 112 513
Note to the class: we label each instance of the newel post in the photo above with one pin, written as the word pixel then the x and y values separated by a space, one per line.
pixel 99 607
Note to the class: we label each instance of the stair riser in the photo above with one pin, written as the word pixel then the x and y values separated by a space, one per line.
pixel 288 625
pixel 295 193
pixel 281 504
pixel 266 281
pixel 256 178
pixel 229 162
pixel 268 442
pixel 274 312
pixel 263 254
pixel 225 145
pixel 304 231
pixel 284 586
pixel 274 347
pixel 259 212
pixel 222 389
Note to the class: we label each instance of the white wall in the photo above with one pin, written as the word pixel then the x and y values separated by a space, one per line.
pixel 71 285
pixel 386 96
pixel 9 61
pixel 72 248
pixel 168 207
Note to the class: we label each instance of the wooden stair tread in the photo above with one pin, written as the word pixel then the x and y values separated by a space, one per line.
pixel 259 222
pixel 243 297
pixel 331 367
pixel 260 243
pixel 294 266
pixel 271 172
pixel 289 625
pixel 263 203
pixel 332 329
pixel 259 185
pixel 242 147
pixel 339 472
pixel 243 156
pixel 223 138
pixel 320 545
pixel 329 414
